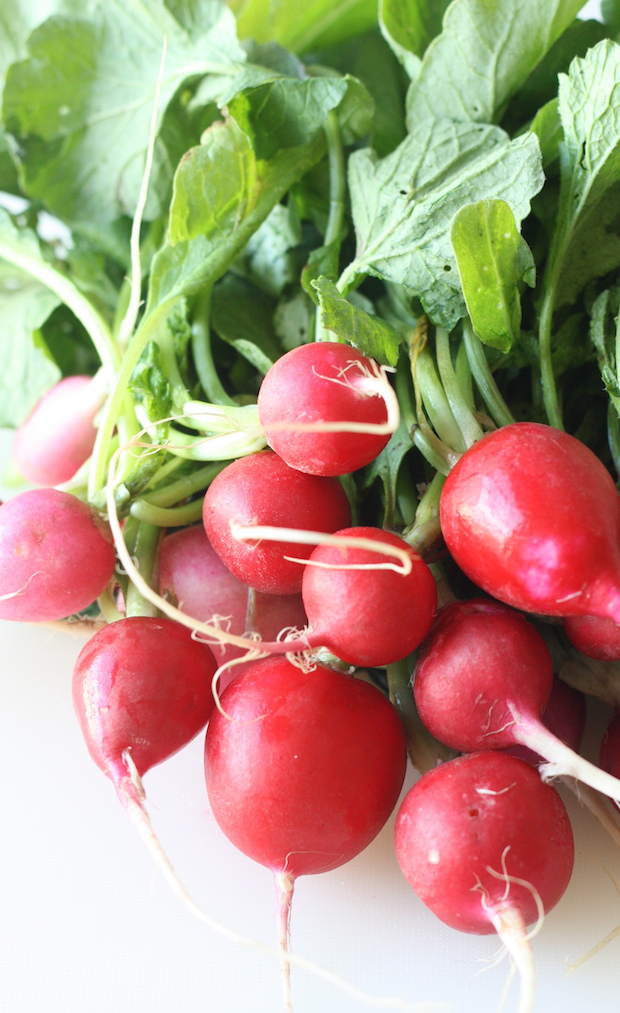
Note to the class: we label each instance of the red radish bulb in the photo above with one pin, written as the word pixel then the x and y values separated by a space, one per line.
pixel 59 434
pixel 359 609
pixel 262 489
pixel 141 691
pixel 322 384
pixel 56 556
pixel 302 769
pixel 488 662
pixel 481 839
pixel 595 636
pixel 532 516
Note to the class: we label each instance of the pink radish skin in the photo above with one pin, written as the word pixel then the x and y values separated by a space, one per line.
pixel 322 382
pixel 481 839
pixel 56 556
pixel 488 662
pixel 262 489
pixel 59 434
pixel 193 575
pixel 141 685
pixel 595 636
pixel 532 516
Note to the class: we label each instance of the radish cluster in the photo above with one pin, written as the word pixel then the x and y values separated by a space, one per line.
pixel 304 760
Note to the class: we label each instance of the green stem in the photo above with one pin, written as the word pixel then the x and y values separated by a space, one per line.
pixel 337 189
pixel 145 549
pixel 435 401
pixel 469 428
pixel 424 751
pixel 162 517
pixel 203 355
pixel 184 487
pixel 425 532
pixel 613 435
pixel 94 324
pixel 485 381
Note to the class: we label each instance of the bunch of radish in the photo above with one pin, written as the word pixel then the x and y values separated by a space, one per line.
pixel 304 759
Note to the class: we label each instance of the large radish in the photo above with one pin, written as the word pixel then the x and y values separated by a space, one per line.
pixel 532 516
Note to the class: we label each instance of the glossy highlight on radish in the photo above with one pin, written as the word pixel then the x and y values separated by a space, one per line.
pixel 322 384
pixel 532 516
pixel 263 489
pixel 482 681
pixel 488 847
pixel 56 556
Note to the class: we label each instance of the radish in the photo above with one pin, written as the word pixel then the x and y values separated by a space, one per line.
pixel 595 636
pixel 56 556
pixel 192 575
pixel 482 681
pixel 303 768
pixel 262 489
pixel 326 409
pixel 532 516
pixel 141 691
pixel 488 847
pixel 361 605
pixel 59 434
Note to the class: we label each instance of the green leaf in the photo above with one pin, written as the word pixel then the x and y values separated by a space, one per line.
pixel 486 51
pixel 386 467
pixel 370 334
pixel 585 243
pixel 27 370
pixel 285 112
pixel 604 334
pixel 403 205
pixel 300 26
pixel 547 126
pixel 542 84
pixel 492 260
pixel 242 316
pixel 272 258
pixel 218 204
pixel 409 26
pixel 81 127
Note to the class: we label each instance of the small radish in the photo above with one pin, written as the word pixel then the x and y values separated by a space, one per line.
pixel 141 687
pixel 488 847
pixel 59 434
pixel 532 516
pixel 595 636
pixel 339 395
pixel 56 556
pixel 303 768
pixel 192 575
pixel 482 681
pixel 262 489
pixel 141 691
pixel 361 605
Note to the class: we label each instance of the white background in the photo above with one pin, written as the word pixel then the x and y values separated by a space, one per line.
pixel 87 925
